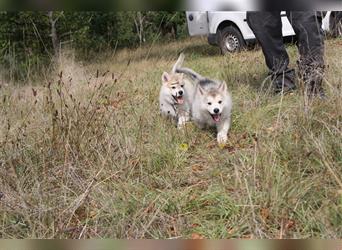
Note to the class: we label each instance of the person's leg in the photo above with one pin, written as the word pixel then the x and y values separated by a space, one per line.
pixel 267 28
pixel 308 28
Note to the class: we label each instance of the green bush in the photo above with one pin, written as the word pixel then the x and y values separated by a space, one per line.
pixel 26 43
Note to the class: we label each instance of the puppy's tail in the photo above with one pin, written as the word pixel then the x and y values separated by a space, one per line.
pixel 189 72
pixel 179 63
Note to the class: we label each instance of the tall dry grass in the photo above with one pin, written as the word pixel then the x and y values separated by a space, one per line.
pixel 85 154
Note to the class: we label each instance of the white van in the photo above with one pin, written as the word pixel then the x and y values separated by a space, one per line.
pixel 230 31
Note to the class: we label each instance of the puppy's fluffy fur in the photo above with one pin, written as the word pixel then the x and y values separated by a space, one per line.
pixel 211 105
pixel 175 96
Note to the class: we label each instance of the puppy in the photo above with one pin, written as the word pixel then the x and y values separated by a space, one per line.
pixel 211 105
pixel 175 95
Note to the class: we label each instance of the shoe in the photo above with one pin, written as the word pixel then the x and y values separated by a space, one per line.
pixel 312 75
pixel 284 82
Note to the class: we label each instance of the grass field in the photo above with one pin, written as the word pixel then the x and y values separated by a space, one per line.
pixel 85 153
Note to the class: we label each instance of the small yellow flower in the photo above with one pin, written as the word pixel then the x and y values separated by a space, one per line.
pixel 222 145
pixel 184 147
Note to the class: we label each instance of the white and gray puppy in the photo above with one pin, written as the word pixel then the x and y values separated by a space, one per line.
pixel 212 104
pixel 175 95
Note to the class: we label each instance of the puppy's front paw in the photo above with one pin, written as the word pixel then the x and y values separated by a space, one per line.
pixel 181 122
pixel 180 126
pixel 222 138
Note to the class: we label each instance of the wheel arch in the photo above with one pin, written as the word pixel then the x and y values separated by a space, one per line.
pixel 227 23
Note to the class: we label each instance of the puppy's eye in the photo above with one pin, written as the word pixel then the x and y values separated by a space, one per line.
pixel 220 102
pixel 173 87
pixel 182 86
pixel 209 103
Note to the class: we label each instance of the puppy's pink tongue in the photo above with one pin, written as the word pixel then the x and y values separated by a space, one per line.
pixel 180 100
pixel 217 118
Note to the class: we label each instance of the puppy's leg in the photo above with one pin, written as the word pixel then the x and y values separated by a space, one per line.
pixel 184 117
pixel 222 131
pixel 182 121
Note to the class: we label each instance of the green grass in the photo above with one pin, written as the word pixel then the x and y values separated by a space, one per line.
pixel 89 156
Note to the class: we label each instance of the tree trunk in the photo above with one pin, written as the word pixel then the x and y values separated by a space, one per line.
pixel 139 25
pixel 54 36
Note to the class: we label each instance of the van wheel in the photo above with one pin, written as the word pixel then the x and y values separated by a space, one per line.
pixel 231 40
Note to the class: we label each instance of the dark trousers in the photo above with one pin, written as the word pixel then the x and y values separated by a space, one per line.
pixel 267 27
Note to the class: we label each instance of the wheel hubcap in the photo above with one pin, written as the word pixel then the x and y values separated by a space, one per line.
pixel 232 42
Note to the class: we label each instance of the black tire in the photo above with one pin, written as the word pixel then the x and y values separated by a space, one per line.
pixel 230 40
pixel 336 24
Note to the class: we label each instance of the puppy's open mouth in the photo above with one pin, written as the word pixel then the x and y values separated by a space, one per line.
pixel 179 99
pixel 216 117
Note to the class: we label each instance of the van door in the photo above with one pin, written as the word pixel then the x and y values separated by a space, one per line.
pixel 198 23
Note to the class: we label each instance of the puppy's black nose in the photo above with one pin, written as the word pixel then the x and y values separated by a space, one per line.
pixel 216 110
pixel 180 92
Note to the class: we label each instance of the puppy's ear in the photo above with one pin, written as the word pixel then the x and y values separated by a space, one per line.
pixel 201 90
pixel 165 77
pixel 223 86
